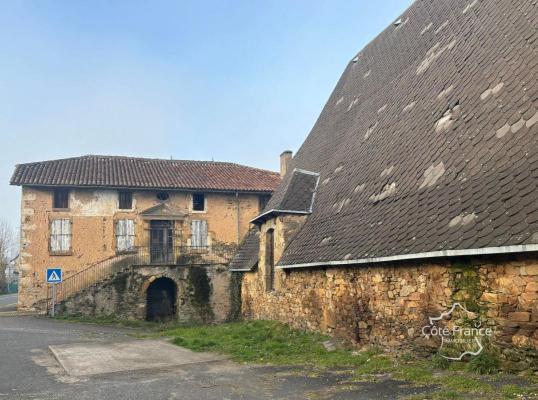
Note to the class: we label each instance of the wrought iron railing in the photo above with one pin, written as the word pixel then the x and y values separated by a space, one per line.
pixel 138 256
pixel 184 255
pixel 90 275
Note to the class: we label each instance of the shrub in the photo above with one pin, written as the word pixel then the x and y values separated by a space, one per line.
pixel 440 362
pixel 484 363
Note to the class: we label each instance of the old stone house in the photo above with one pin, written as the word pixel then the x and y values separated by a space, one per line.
pixel 416 189
pixel 121 222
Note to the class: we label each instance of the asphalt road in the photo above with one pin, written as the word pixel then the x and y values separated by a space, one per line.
pixel 8 302
pixel 28 370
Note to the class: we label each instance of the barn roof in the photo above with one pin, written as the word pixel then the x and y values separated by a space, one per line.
pixel 428 145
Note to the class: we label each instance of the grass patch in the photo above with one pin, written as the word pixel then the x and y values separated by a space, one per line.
pixel 517 392
pixel 419 372
pixel 376 365
pixel 266 342
pixel 464 383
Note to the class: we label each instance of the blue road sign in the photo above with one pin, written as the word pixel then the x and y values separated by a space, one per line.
pixel 54 275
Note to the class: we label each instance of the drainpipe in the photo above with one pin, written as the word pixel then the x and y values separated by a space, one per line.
pixel 238 216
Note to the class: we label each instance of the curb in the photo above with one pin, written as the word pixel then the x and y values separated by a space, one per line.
pixel 20 313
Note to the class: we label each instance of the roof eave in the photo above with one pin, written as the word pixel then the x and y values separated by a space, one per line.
pixel 260 219
pixel 240 269
pixel 524 248
pixel 186 189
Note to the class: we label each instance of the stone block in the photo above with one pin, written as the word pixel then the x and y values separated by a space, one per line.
pixel 489 297
pixel 521 316
pixel 531 269
pixel 530 296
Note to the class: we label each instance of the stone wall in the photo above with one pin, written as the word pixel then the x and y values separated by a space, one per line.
pixel 389 304
pixel 124 295
pixel 93 213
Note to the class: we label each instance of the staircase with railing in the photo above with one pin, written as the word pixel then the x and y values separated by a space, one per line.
pixel 141 256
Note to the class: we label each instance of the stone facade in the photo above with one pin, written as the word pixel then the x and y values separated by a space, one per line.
pixel 389 304
pixel 204 294
pixel 93 214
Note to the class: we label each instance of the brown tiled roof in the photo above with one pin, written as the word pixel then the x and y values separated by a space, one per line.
pixel 429 142
pixel 129 172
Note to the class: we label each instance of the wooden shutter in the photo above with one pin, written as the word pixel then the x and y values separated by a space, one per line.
pixel 130 234
pixel 199 233
pixel 66 235
pixel 55 233
pixel 125 234
pixel 60 235
pixel 203 233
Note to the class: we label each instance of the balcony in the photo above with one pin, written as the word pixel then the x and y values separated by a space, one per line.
pixel 181 255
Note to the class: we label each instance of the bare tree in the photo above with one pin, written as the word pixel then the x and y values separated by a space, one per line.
pixel 7 250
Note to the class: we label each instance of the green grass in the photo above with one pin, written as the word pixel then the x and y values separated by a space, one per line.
pixel 418 372
pixel 517 392
pixel 265 342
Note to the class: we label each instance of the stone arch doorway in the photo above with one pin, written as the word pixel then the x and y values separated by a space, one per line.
pixel 161 298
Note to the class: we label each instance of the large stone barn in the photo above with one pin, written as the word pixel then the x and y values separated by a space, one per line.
pixel 416 192
pixel 135 237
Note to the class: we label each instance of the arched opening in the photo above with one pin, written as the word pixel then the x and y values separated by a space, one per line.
pixel 269 260
pixel 161 300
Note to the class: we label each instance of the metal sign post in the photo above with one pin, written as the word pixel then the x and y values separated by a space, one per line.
pixel 54 276
pixel 53 300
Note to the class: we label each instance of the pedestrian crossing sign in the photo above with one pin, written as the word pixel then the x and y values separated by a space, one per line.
pixel 54 275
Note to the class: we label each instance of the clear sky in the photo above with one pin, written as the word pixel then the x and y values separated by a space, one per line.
pixel 233 81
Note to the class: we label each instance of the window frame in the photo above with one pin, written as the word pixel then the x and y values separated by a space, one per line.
pixel 61 252
pixel 123 193
pixel 126 235
pixel 270 260
pixel 204 202
pixel 55 194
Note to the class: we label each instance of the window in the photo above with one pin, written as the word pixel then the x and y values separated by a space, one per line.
pixel 60 237
pixel 126 200
pixel 262 202
pixel 269 260
pixel 198 202
pixel 61 198
pixel 199 233
pixel 163 196
pixel 125 235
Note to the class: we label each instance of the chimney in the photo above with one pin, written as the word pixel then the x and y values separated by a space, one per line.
pixel 285 160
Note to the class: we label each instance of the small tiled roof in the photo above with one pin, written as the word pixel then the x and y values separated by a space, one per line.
pixel 130 172
pixel 297 197
pixel 428 145
pixel 246 257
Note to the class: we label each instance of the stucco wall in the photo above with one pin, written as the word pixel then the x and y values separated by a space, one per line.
pixel 93 213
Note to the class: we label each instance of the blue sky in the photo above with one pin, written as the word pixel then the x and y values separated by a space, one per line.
pixel 230 81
